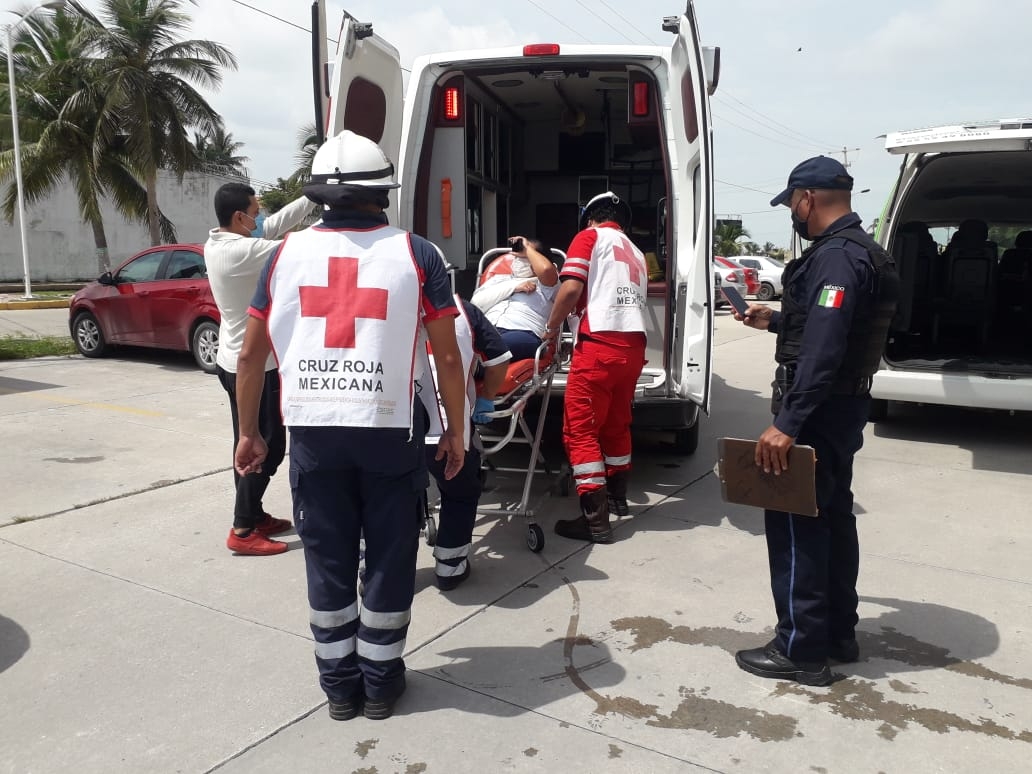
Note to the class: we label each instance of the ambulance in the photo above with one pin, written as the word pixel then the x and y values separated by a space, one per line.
pixel 516 139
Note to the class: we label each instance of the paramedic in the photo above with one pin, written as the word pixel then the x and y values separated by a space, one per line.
pixel 345 306
pixel 605 280
pixel 518 305
pixel 840 296
pixel 479 345
pixel 235 254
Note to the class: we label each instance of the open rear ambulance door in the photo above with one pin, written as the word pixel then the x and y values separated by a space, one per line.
pixel 366 92
pixel 690 221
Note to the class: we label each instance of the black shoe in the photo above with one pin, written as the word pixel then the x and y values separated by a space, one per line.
pixel 618 506
pixel 844 651
pixel 347 709
pixel 381 709
pixel 770 662
pixel 449 582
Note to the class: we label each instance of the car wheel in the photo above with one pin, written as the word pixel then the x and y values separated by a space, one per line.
pixel 686 441
pixel 88 337
pixel 205 345
pixel 766 292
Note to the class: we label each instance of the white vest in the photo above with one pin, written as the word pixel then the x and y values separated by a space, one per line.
pixel 617 284
pixel 344 321
pixel 438 420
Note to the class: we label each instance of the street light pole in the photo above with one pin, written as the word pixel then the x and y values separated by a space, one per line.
pixel 19 186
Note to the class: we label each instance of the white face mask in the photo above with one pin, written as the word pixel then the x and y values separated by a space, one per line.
pixel 521 268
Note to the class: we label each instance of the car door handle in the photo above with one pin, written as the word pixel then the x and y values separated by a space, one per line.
pixel 143 293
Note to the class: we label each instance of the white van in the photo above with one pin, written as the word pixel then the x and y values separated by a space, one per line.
pixel 959 224
pixel 513 140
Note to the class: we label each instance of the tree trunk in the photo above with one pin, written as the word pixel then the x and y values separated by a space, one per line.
pixel 100 240
pixel 152 206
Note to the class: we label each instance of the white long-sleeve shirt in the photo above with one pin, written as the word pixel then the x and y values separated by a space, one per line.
pixel 234 264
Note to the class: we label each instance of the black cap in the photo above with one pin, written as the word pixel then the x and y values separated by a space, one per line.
pixel 820 172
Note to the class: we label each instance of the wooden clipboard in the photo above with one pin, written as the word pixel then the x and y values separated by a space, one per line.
pixel 742 482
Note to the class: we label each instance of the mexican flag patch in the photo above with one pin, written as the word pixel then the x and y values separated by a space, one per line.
pixel 831 296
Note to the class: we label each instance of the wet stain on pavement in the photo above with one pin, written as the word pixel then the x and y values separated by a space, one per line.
pixel 530 752
pixel 856 699
pixel 724 720
pixel 73 460
pixel 900 687
pixel 614 751
pixel 415 768
pixel 370 770
pixel 649 631
pixel 362 749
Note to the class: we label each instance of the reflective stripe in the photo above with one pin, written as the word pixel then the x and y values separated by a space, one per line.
pixel 331 619
pixel 331 651
pixel 376 620
pixel 613 461
pixel 589 467
pixel 600 481
pixel 498 360
pixel 447 571
pixel 372 652
pixel 452 553
pixel 791 587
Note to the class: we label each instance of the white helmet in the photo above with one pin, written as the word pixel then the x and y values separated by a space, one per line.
pixel 347 162
pixel 609 198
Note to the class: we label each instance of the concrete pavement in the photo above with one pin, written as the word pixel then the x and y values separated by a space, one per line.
pixel 131 640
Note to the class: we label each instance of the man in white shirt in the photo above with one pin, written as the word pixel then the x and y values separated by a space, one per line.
pixel 518 304
pixel 235 254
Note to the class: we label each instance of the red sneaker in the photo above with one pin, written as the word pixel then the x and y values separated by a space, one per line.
pixel 255 544
pixel 270 526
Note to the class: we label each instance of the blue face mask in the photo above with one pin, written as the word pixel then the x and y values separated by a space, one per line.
pixel 259 227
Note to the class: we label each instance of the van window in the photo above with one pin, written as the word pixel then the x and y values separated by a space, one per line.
pixel 365 111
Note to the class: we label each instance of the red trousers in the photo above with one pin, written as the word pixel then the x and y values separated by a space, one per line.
pixel 597 415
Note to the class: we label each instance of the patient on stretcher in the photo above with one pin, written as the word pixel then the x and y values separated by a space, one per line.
pixel 516 295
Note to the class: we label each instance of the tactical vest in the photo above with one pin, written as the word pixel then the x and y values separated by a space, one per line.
pixel 866 340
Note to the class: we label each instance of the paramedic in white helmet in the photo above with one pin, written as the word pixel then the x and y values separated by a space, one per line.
pixel 604 280
pixel 347 306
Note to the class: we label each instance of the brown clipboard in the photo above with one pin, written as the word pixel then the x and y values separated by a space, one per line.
pixel 743 482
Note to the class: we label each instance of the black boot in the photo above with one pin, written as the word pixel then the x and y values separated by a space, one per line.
pixel 616 484
pixel 593 523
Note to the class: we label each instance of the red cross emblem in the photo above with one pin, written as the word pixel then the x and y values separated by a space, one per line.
pixel 342 302
pixel 624 254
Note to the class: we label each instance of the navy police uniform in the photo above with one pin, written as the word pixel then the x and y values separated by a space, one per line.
pixel 347 481
pixel 461 494
pixel 839 298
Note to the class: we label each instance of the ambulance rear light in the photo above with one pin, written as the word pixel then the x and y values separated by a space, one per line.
pixel 640 100
pixel 452 104
pixel 541 49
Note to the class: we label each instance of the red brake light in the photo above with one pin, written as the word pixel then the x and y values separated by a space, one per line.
pixel 640 105
pixel 732 277
pixel 452 109
pixel 541 49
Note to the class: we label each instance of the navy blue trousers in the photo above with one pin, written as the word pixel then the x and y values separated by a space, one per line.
pixel 346 483
pixel 522 344
pixel 814 562
pixel 459 499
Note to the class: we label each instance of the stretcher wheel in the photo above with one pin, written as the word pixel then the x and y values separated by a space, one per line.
pixel 431 531
pixel 535 538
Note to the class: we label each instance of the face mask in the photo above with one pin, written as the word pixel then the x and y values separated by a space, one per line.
pixel 259 227
pixel 521 268
pixel 800 226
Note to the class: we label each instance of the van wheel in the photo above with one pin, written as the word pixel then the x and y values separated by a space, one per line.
pixel 766 292
pixel 687 441
pixel 879 410
pixel 88 337
pixel 204 344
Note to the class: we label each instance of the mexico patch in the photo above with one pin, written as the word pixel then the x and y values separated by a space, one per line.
pixel 831 296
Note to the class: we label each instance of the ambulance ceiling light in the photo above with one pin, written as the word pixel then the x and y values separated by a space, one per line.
pixel 507 83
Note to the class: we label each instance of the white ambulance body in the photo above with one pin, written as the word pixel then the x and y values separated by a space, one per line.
pixel 514 140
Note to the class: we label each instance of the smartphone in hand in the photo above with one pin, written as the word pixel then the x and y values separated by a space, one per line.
pixel 735 299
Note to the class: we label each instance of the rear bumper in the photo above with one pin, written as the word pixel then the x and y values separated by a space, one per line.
pixel 664 414
pixel 953 389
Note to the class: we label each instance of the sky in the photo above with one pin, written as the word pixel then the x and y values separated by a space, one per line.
pixel 797 79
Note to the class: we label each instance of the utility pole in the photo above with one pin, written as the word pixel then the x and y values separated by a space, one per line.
pixel 845 155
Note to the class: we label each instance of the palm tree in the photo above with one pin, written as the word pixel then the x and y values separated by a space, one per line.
pixel 218 147
pixel 150 97
pixel 769 248
pixel 308 144
pixel 726 236
pixel 62 98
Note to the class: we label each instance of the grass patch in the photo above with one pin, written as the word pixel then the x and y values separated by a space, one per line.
pixel 12 348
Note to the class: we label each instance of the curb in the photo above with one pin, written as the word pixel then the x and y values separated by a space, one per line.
pixel 56 303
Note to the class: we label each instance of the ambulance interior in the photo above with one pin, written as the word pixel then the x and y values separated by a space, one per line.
pixel 520 150
pixel 962 240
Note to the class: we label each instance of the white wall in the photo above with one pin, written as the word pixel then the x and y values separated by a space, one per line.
pixel 61 245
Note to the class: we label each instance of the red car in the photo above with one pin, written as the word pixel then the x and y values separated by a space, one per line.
pixel 158 298
pixel 752 277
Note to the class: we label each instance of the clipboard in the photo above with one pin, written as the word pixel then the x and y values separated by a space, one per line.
pixel 742 482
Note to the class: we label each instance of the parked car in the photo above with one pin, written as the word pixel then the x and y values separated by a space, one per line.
pixel 750 277
pixel 770 271
pixel 158 298
pixel 732 277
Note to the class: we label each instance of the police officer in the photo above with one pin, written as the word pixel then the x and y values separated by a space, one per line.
pixel 480 348
pixel 345 304
pixel 839 298
pixel 605 280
